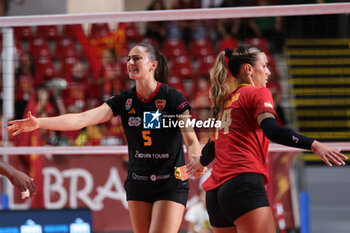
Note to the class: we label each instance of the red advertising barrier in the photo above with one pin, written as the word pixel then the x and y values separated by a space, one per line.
pixel 96 182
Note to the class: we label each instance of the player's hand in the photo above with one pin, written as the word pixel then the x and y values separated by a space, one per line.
pixel 328 154
pixel 195 168
pixel 25 125
pixel 23 182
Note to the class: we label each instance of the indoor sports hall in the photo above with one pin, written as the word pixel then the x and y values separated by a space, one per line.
pixel 69 56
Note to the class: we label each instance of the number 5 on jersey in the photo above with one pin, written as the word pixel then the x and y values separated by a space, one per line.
pixel 147 140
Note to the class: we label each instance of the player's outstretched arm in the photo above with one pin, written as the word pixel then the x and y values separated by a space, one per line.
pixel 19 179
pixel 288 137
pixel 67 122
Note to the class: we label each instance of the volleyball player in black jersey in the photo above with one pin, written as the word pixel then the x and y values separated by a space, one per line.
pixel 156 185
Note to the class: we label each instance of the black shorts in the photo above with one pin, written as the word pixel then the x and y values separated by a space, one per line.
pixel 234 198
pixel 177 195
pixel 164 188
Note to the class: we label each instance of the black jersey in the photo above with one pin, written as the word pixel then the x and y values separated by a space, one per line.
pixel 155 149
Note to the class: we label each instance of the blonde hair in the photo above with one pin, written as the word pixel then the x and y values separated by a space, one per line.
pixel 219 89
pixel 219 75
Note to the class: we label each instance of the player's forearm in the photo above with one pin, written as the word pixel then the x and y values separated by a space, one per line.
pixel 67 122
pixel 5 169
pixel 192 144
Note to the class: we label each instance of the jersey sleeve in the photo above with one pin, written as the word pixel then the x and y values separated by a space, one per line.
pixel 263 102
pixel 116 104
pixel 179 103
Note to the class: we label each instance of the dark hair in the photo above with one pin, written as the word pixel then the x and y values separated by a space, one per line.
pixel 161 72
pixel 243 54
pixel 151 6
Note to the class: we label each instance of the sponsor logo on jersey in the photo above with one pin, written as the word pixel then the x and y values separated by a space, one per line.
pixel 160 104
pixel 132 111
pixel 180 173
pixel 182 105
pixel 134 121
pixel 268 104
pixel 128 104
pixel 151 120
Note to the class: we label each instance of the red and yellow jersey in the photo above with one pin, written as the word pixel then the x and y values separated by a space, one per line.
pixel 240 145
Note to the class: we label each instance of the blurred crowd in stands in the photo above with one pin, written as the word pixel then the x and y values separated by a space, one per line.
pixel 72 68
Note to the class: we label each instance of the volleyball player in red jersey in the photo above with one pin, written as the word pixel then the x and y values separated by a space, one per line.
pixel 236 196
pixel 157 183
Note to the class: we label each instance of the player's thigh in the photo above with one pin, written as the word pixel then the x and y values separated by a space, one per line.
pixel 166 216
pixel 259 220
pixel 140 216
pixel 224 229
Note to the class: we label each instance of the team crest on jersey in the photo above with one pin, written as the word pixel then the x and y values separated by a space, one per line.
pixel 268 104
pixel 180 173
pixel 128 104
pixel 160 104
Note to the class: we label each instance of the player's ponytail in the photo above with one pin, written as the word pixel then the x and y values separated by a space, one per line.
pixel 219 84
pixel 228 61
pixel 161 72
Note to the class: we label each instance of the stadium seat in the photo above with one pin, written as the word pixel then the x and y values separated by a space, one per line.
pixel 68 31
pixel 65 48
pixel 49 32
pixel 181 67
pixel 173 48
pixel 23 33
pixel 39 48
pixel 176 83
pixel 66 66
pixel 228 42
pixel 150 41
pixel 205 64
pixel 259 42
pixel 131 32
pixel 45 68
pixel 99 30
pixel 201 47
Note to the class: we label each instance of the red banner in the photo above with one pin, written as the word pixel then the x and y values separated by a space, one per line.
pixel 96 182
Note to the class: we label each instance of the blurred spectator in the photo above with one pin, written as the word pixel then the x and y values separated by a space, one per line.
pixel 39 105
pixel 240 28
pixel 271 27
pixel 25 82
pixel 186 29
pixel 110 74
pixel 75 98
pixel 77 91
pixel 4 6
pixel 156 30
pixel 197 216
